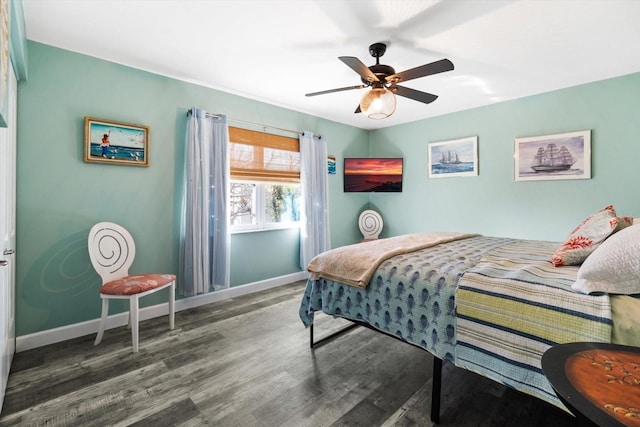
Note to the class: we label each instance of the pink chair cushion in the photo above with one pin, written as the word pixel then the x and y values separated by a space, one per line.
pixel 132 285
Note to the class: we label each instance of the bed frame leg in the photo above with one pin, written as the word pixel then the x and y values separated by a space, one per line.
pixel 436 375
pixel 311 336
pixel 323 340
pixel 436 378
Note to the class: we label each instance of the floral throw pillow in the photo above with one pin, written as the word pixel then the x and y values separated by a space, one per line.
pixel 587 237
pixel 624 222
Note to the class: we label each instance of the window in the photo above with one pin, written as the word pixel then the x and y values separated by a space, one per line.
pixel 256 205
pixel 265 180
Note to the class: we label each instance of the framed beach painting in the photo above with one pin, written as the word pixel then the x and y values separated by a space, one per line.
pixel 107 141
pixel 549 157
pixel 458 157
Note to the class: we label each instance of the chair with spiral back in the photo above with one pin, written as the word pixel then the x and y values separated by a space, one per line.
pixel 370 223
pixel 112 250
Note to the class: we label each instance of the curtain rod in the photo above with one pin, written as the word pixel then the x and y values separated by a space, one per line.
pixel 251 123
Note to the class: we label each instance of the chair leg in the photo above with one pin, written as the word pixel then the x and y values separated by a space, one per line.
pixel 103 320
pixel 133 312
pixel 172 305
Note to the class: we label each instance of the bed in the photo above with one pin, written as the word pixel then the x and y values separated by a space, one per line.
pixel 491 305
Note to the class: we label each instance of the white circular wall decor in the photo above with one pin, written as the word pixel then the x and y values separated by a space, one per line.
pixel 370 223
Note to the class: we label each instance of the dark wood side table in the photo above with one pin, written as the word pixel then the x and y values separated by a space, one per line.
pixel 597 382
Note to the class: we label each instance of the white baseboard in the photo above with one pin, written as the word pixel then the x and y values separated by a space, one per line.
pixel 63 333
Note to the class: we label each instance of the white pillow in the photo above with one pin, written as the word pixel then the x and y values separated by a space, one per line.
pixel 614 267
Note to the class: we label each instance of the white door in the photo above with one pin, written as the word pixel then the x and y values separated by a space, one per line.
pixel 7 237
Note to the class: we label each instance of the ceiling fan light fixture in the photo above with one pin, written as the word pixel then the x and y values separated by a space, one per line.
pixel 378 103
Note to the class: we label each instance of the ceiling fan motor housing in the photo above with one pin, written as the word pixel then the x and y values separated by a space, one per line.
pixel 381 71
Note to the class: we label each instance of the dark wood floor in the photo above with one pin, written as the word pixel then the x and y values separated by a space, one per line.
pixel 247 362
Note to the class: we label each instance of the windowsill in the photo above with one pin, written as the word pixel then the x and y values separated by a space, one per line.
pixel 260 230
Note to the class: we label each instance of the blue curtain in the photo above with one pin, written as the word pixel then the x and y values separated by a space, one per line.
pixel 204 249
pixel 314 232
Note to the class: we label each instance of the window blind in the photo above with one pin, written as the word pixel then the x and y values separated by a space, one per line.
pixel 260 156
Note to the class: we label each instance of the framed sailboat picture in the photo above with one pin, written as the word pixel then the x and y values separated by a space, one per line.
pixel 549 157
pixel 457 157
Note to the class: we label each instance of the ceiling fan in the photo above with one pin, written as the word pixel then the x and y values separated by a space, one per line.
pixel 380 101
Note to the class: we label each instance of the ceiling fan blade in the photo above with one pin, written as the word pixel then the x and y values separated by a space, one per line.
pixel 335 90
pixel 416 95
pixel 421 71
pixel 356 65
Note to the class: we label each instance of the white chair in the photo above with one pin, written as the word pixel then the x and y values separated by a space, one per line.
pixel 370 223
pixel 112 250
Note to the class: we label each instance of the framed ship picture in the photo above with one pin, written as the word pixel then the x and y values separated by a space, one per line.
pixel 458 157
pixel 549 157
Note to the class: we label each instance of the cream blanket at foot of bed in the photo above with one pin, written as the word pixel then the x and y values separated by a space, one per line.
pixel 355 264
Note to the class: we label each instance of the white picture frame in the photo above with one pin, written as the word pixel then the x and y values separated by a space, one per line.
pixel 454 158
pixel 552 157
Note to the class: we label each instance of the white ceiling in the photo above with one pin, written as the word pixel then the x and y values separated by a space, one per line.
pixel 275 51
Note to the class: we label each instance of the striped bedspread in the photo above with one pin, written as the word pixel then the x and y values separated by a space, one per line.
pixel 513 305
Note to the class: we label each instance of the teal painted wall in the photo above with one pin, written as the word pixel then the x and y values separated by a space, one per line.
pixel 59 197
pixel 252 255
pixel 493 203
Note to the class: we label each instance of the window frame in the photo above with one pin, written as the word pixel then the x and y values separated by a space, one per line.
pixel 262 177
pixel 260 208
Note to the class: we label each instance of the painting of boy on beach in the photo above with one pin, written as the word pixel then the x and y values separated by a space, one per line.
pixel 115 142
